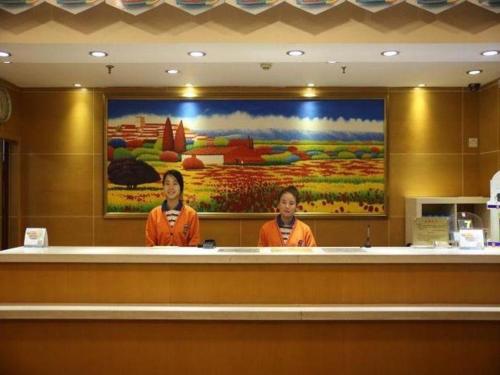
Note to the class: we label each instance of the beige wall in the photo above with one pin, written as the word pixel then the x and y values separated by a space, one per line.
pixel 62 167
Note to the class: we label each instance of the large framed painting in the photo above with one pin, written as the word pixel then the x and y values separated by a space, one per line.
pixel 236 155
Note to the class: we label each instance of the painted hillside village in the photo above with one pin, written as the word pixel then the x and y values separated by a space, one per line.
pixel 227 173
pixel 174 141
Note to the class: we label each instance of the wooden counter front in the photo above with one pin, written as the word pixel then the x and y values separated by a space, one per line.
pixel 442 277
pixel 134 277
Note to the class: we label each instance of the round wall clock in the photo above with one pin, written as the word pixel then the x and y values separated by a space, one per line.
pixel 5 105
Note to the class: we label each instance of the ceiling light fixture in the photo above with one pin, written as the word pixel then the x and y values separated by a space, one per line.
pixel 5 54
pixel 491 52
pixel 98 53
pixel 295 52
pixel 196 53
pixel 188 85
pixel 421 85
pixel 77 84
pixel 331 61
pixel 310 84
pixel 474 72
pixel 7 62
pixel 390 53
pixel 172 71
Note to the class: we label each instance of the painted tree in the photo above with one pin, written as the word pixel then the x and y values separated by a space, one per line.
pixel 180 139
pixel 130 173
pixel 168 136
pixel 192 163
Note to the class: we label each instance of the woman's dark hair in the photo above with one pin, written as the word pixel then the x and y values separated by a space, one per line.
pixel 175 174
pixel 292 190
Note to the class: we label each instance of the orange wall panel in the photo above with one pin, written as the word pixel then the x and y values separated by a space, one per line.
pixel 63 151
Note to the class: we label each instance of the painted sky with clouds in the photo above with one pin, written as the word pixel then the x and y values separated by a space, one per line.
pixel 365 115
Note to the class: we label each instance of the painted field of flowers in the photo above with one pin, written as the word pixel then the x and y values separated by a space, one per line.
pixel 341 186
pixel 237 155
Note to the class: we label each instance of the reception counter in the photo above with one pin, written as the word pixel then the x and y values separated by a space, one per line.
pixel 250 255
pixel 249 310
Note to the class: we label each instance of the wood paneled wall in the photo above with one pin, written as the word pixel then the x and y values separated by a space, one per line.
pixel 489 135
pixel 220 348
pixel 11 132
pixel 62 166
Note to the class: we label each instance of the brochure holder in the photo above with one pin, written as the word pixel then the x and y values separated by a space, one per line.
pixel 36 237
pixel 472 239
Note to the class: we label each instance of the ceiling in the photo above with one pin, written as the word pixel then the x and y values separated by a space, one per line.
pixel 237 64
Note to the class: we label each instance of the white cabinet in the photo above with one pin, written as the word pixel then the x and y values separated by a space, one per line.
pixel 442 207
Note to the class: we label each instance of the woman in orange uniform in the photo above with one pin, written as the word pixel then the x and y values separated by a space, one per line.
pixel 286 229
pixel 173 223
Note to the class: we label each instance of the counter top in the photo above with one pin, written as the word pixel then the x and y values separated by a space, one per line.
pixel 250 312
pixel 222 255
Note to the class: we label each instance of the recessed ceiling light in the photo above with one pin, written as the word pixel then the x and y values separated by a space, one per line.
pixel 474 72
pixel 5 54
pixel 491 52
pixel 390 53
pixel 172 71
pixel 331 61
pixel 310 84
pixel 421 85
pixel 98 53
pixel 77 84
pixel 295 52
pixel 196 53
pixel 7 62
pixel 188 85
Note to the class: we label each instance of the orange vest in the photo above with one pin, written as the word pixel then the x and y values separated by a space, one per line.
pixel 185 232
pixel 301 235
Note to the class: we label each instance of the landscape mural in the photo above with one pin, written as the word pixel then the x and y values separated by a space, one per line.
pixel 236 155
